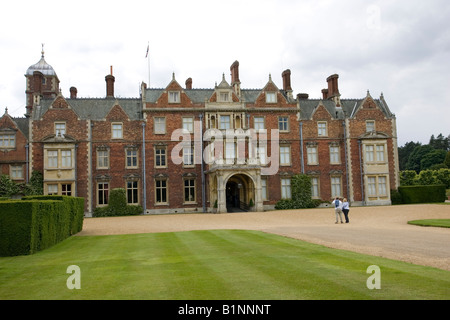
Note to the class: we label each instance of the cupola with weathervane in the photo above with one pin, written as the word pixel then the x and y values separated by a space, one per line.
pixel 42 83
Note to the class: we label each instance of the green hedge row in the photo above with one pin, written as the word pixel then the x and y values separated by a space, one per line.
pixel 38 222
pixel 419 194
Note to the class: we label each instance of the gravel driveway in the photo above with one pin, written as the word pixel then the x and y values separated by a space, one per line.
pixel 379 231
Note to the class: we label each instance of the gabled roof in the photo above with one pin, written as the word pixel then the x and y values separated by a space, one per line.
pixel 93 108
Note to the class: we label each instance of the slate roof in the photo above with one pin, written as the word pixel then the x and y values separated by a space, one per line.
pixel 94 108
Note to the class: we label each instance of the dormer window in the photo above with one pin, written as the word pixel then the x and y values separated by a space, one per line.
pixel 370 125
pixel 271 97
pixel 223 97
pixel 174 97
pixel 7 140
pixel 60 129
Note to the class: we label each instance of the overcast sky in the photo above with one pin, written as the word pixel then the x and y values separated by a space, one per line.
pixel 398 48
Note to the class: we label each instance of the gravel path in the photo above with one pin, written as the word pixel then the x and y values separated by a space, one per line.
pixel 378 231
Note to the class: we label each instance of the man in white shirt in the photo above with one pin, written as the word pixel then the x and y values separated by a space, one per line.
pixel 338 209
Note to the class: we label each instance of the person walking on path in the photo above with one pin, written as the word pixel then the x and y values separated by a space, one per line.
pixel 338 209
pixel 345 209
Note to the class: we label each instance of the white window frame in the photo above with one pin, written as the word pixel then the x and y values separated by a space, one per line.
pixel 264 190
pixel 191 190
pixel 160 190
pixel 159 155
pixel 336 186
pixel 188 156
pixel 224 125
pixel 60 128
pixel 286 192
pixel 52 159
pixel 312 155
pixel 283 123
pixel 224 96
pixel 117 130
pixel 66 158
pixel 159 125
pixel 103 159
pixel 370 125
pixel 7 141
pixel 285 155
pixel 131 158
pixel 259 123
pixel 271 97
pixel 335 154
pixel 188 124
pixel 322 128
pixel 174 97
pixel 16 172
pixel 102 194
pixel 132 186
pixel 315 187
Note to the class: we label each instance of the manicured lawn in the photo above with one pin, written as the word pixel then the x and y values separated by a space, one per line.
pixel 211 265
pixel 444 223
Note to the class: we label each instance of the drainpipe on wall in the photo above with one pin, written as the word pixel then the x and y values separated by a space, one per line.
pixel 76 170
pixel 301 147
pixel 202 166
pixel 91 185
pixel 361 173
pixel 346 159
pixel 144 186
pixel 26 163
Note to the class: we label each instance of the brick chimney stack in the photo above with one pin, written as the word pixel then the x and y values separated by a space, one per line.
pixel 286 80
pixel 73 93
pixel 189 83
pixel 110 84
pixel 235 82
pixel 333 85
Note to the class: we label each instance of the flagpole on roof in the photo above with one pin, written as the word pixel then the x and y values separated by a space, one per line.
pixel 148 61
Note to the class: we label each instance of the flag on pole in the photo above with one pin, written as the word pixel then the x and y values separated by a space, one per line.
pixel 148 47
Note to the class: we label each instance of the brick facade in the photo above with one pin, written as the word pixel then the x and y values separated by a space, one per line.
pixel 348 147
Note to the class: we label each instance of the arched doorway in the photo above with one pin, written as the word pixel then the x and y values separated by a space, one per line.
pixel 238 191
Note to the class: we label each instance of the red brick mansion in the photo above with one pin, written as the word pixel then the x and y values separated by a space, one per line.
pixel 181 149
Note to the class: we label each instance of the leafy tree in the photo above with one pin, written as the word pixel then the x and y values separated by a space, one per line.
pixel 440 142
pixel 8 187
pixel 415 158
pixel 434 157
pixel 443 175
pixel 407 177
pixel 404 152
pixel 426 177
pixel 447 159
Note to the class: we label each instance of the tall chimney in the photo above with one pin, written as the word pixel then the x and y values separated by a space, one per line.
pixel 234 72
pixel 286 80
pixel 189 83
pixel 333 89
pixel 110 84
pixel 73 93
pixel 235 82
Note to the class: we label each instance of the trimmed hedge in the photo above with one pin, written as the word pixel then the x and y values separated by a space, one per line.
pixel 117 206
pixel 422 194
pixel 38 222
